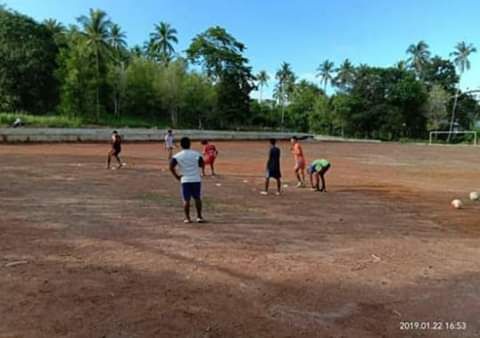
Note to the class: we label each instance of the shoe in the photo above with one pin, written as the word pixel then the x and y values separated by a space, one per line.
pixel 300 185
pixel 278 193
pixel 201 220
pixel 264 193
pixel 187 221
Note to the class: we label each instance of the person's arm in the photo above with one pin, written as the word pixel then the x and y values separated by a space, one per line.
pixel 172 166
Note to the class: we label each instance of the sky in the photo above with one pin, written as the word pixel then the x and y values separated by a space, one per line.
pixel 303 32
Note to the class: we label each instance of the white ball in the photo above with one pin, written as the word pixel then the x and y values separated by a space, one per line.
pixel 474 196
pixel 457 204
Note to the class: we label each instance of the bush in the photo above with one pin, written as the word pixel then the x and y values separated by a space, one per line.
pixel 52 121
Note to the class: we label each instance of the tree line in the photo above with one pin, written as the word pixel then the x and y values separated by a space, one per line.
pixel 87 70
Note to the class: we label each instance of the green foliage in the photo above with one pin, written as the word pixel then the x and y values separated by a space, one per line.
pixel 52 121
pixel 88 74
pixel 27 62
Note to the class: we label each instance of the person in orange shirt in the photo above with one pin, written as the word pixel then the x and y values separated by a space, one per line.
pixel 300 162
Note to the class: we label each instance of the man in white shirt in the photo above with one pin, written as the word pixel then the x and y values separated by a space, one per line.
pixel 189 163
pixel 169 144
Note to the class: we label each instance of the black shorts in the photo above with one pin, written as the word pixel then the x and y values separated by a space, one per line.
pixel 116 151
pixel 273 173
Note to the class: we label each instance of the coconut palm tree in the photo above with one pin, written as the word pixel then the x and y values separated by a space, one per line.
pixel 262 78
pixel 419 56
pixel 325 72
pixel 117 38
pixel 161 42
pixel 96 31
pixel 345 74
pixel 54 26
pixel 460 56
pixel 285 86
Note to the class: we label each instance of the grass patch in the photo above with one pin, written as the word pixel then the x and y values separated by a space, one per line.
pixel 64 121
pixel 52 121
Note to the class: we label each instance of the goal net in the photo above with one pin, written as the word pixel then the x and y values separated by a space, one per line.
pixel 467 137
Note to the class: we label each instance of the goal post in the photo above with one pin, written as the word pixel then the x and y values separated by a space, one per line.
pixel 467 132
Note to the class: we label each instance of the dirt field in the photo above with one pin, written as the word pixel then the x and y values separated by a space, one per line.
pixel 86 252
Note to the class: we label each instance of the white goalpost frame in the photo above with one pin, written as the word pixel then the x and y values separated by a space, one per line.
pixel 438 132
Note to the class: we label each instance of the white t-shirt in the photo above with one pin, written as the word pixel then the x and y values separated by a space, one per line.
pixel 169 141
pixel 187 161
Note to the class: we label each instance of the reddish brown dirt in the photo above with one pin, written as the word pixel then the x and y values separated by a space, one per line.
pixel 107 254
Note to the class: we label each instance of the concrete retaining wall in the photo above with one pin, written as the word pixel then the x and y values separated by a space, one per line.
pixel 25 135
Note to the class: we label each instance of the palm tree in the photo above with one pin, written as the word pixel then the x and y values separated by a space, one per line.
pixel 345 74
pixel 460 58
pixel 262 78
pixel 117 38
pixel 286 82
pixel 161 42
pixel 54 26
pixel 419 56
pixel 95 29
pixel 325 73
pixel 136 51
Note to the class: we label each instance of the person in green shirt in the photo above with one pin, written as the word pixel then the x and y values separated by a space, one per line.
pixel 318 169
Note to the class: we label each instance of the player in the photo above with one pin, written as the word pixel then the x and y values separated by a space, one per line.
pixel 169 143
pixel 116 150
pixel 210 153
pixel 299 169
pixel 273 168
pixel 318 168
pixel 189 163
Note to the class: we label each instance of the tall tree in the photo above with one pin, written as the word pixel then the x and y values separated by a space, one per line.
pixel 419 56
pixel 345 74
pixel 460 56
pixel 161 42
pixel 116 38
pixel 28 54
pixel 96 30
pixel 285 86
pixel 326 73
pixel 262 79
pixel 222 59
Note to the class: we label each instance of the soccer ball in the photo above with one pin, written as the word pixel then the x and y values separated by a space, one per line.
pixel 474 196
pixel 457 204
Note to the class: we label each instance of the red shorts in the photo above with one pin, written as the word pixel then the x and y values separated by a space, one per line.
pixel 300 163
pixel 209 159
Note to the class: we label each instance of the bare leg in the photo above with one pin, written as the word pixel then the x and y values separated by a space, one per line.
pixel 170 151
pixel 267 183
pixel 109 159
pixel 302 174
pixel 297 173
pixel 119 161
pixel 186 209
pixel 213 169
pixel 324 187
pixel 198 206
pixel 279 186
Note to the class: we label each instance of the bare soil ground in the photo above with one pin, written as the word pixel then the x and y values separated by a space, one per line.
pixel 100 253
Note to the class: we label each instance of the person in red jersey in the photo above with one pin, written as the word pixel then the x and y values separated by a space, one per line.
pixel 210 153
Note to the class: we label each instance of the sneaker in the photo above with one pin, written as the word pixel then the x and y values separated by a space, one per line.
pixel 278 193
pixel 187 221
pixel 264 193
pixel 300 185
pixel 201 220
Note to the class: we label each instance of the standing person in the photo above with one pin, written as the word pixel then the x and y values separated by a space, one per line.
pixel 115 150
pixel 189 163
pixel 299 169
pixel 210 153
pixel 318 169
pixel 169 143
pixel 273 168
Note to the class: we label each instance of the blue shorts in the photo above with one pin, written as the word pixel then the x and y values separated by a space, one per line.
pixel 190 190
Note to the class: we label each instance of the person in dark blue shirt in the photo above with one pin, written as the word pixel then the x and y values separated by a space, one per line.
pixel 273 168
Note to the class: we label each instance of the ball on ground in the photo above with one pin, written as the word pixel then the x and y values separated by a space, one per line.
pixel 474 196
pixel 457 204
